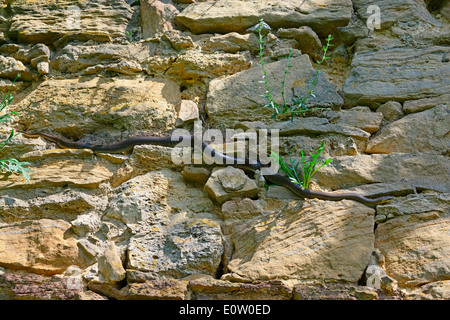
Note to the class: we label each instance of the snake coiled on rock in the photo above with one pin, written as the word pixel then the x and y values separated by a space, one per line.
pixel 127 145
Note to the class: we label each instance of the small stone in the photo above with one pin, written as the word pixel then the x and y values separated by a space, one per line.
pixel 196 174
pixel 391 110
pixel 232 179
pixel 187 112
pixel 110 264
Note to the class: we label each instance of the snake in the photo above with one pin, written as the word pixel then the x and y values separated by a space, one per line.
pixel 127 145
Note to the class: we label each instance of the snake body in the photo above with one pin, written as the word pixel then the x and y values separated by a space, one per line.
pixel 127 145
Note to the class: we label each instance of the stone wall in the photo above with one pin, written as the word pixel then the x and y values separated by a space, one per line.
pixel 138 226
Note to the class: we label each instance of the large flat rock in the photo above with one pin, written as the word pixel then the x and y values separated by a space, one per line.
pixel 225 16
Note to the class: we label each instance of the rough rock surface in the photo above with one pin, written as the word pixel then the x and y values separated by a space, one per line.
pixel 139 225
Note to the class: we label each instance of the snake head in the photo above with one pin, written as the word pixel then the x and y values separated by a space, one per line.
pixel 385 199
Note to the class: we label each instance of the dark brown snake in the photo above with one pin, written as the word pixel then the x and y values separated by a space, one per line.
pixel 127 145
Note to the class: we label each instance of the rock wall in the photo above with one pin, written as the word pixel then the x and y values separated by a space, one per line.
pixel 139 226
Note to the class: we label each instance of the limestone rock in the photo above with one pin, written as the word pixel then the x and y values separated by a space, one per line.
pixel 412 73
pixel 308 41
pixel 425 131
pixel 10 67
pixel 416 245
pixel 39 246
pixel 391 111
pixel 187 112
pixel 161 289
pixel 229 102
pixel 395 11
pixel 74 107
pixel 105 21
pixel 171 235
pixel 61 205
pixel 231 42
pixel 157 16
pixel 414 204
pixel 362 118
pixel 110 264
pixel 228 16
pixel 318 239
pixel 195 64
pixel 196 174
pixel 205 288
pixel 423 171
pixel 215 185
pixel 412 106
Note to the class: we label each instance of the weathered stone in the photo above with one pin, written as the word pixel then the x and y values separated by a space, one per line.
pixel 187 112
pixel 308 41
pixel 161 289
pixel 412 106
pixel 231 42
pixel 228 16
pixel 362 118
pixel 416 246
pixel 40 246
pixel 171 235
pixel 29 286
pixel 414 204
pixel 10 67
pixel 391 111
pixel 216 190
pixel 436 290
pixel 229 102
pixel 412 73
pixel 323 291
pixel 75 107
pixel 110 264
pixel 196 174
pixel 82 173
pixel 224 290
pixel 46 23
pixel 157 16
pixel 63 205
pixel 425 131
pixel 77 57
pixel 395 11
pixel 420 170
pixel 318 239
pixel 194 64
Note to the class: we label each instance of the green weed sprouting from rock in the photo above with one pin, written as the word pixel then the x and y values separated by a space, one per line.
pixel 298 106
pixel 11 165
pixel 308 168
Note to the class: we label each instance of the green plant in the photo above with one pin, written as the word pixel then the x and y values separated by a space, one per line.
pixel 11 165
pixel 308 168
pixel 298 106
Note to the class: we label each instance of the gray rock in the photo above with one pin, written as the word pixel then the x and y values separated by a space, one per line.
pixel 412 106
pixel 391 110
pixel 110 264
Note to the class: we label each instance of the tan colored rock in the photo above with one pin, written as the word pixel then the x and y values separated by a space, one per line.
pixel 83 173
pixel 196 174
pixel 420 170
pixel 308 41
pixel 245 188
pixel 231 42
pixel 226 16
pixel 425 131
pixel 362 118
pixel 41 246
pixel 105 21
pixel 187 112
pixel 229 102
pixel 416 247
pixel 319 239
pixel 157 16
pixel 74 107
pixel 110 264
